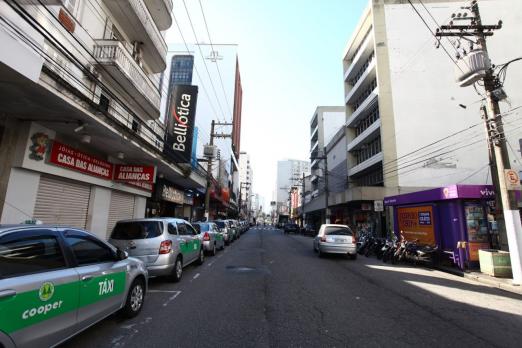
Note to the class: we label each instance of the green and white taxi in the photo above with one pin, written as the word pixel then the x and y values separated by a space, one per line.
pixel 56 282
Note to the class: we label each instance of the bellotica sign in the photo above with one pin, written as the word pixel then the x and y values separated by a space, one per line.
pixel 180 123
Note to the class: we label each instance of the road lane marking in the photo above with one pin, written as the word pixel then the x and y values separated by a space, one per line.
pixel 171 298
pixel 210 264
pixel 196 276
pixel 163 291
pixel 220 256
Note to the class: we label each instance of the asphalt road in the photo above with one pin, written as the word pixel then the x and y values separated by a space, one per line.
pixel 271 290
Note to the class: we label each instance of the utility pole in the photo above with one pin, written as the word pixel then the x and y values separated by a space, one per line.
pixel 496 136
pixel 209 163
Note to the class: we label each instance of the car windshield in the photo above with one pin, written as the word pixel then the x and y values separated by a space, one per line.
pixel 136 230
pixel 338 231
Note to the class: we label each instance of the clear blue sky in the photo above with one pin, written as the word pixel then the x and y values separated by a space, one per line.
pixel 290 57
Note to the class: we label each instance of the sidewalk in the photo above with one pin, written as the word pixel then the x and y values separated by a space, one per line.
pixel 501 283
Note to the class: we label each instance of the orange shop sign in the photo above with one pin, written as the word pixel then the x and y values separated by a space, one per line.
pixel 417 223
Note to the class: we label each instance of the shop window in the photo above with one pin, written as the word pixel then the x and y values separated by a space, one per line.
pixel 135 125
pixel 476 223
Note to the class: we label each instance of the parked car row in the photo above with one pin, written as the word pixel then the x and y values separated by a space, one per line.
pixel 57 281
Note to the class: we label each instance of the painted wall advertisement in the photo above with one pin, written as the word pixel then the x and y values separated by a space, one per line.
pixel 417 223
pixel 180 123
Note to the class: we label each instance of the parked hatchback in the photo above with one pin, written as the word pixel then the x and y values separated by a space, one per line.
pixel 335 239
pixel 211 236
pixel 165 245
pixel 56 282
pixel 224 227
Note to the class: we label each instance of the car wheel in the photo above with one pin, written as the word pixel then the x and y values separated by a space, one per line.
pixel 177 272
pixel 213 253
pixel 135 299
pixel 201 257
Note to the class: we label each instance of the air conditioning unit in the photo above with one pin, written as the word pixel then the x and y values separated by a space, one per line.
pixel 472 67
pixel 210 151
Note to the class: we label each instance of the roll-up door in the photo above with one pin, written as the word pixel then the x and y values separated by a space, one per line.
pixel 62 202
pixel 121 208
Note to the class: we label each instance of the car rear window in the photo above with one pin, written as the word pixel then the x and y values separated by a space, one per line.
pixel 200 227
pixel 136 230
pixel 338 231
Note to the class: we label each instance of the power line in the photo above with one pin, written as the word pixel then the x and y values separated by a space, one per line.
pixel 203 59
pixel 217 63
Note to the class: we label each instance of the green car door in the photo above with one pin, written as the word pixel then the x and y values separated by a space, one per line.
pixel 39 292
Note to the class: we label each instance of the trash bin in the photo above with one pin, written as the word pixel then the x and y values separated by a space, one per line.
pixel 495 263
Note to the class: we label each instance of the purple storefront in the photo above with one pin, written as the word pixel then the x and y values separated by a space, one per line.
pixel 460 219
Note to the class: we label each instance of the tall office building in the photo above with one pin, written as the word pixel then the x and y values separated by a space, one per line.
pixel 215 70
pixel 402 101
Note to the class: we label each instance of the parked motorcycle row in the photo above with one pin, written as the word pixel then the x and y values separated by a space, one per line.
pixel 395 250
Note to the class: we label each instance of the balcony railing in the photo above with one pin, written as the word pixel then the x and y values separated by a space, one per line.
pixel 111 52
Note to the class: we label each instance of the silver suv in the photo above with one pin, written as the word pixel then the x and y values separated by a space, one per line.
pixel 165 245
pixel 56 282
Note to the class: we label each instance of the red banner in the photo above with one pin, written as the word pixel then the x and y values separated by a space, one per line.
pixel 134 173
pixel 65 156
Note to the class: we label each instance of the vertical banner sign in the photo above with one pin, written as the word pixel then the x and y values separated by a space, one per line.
pixel 180 123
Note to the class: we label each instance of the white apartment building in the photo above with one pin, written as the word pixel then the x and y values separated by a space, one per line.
pixel 401 97
pixel 79 95
pixel 289 172
pixel 245 181
pixel 325 123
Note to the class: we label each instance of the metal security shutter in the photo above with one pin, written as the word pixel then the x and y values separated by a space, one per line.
pixel 62 202
pixel 121 208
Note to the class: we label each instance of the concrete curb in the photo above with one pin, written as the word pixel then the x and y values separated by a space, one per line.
pixel 495 283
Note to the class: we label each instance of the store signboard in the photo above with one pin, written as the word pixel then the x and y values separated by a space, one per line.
pixel 134 173
pixel 171 194
pixel 180 123
pixel 188 200
pixel 65 156
pixel 147 186
pixel 417 223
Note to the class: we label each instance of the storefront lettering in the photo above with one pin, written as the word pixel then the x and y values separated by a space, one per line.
pixel 65 156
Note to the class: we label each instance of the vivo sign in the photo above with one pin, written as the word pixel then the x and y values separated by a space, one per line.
pixel 180 123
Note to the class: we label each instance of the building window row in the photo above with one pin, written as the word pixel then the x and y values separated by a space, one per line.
pixel 360 45
pixel 365 123
pixel 368 150
pixel 365 94
pixel 374 178
pixel 362 70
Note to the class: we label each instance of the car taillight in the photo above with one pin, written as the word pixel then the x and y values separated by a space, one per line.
pixel 354 239
pixel 165 247
pixel 323 239
pixel 206 236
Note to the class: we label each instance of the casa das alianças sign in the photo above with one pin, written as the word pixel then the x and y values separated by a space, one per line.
pixel 65 156
pixel 180 123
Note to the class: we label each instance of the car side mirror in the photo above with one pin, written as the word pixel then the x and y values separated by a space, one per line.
pixel 121 255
